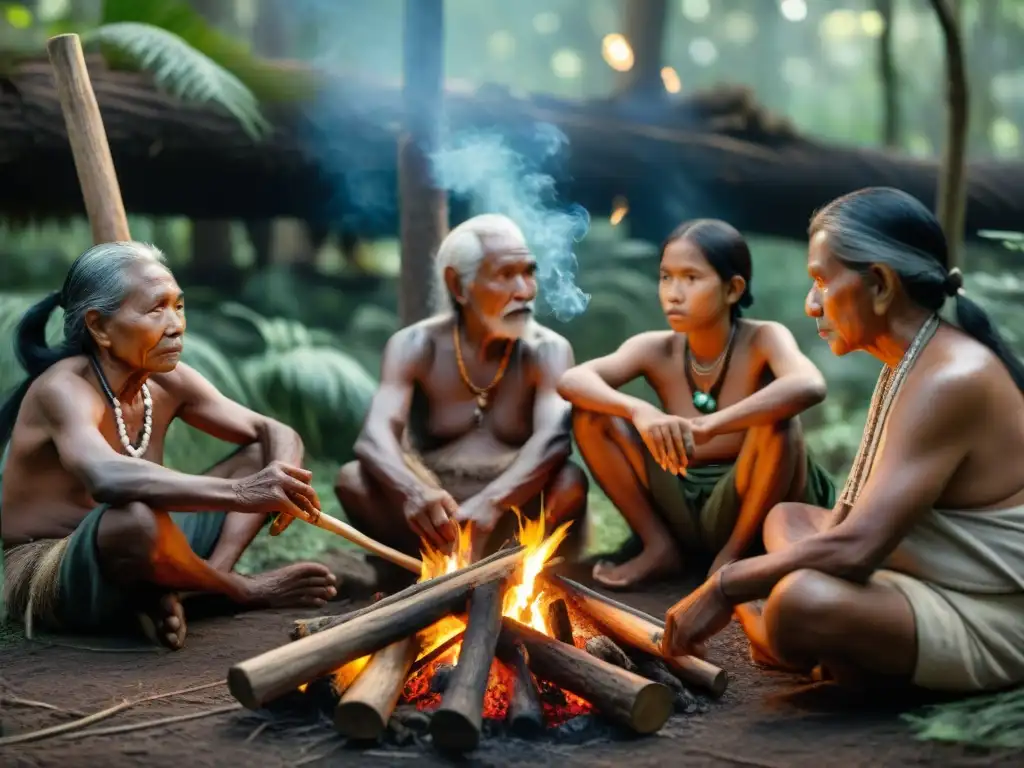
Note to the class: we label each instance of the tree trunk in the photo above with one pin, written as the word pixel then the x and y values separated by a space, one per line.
pixel 888 77
pixel 645 31
pixel 423 209
pixel 952 192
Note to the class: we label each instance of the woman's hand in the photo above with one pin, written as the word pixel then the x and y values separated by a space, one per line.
pixel 696 618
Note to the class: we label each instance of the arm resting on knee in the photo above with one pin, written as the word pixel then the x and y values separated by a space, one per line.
pixel 379 447
pixel 594 385
pixel 72 415
pixel 927 439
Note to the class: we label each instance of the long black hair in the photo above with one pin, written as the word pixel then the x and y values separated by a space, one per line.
pixel 882 225
pixel 97 280
pixel 725 250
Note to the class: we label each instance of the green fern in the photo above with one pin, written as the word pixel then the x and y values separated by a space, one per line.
pixel 182 71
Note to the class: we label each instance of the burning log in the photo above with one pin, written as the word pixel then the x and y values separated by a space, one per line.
pixel 623 696
pixel 366 707
pixel 455 726
pixel 305 627
pixel 559 622
pixel 632 627
pixel 263 678
pixel 525 716
pixel 605 649
pixel 657 670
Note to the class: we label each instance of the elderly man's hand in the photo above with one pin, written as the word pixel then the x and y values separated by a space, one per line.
pixel 484 516
pixel 430 514
pixel 697 617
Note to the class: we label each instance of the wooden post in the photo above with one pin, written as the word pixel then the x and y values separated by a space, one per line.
pixel 263 678
pixel 455 726
pixel 423 208
pixel 632 627
pixel 625 697
pixel 95 166
pixel 525 716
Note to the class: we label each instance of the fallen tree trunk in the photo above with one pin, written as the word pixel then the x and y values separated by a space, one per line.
pixel 334 158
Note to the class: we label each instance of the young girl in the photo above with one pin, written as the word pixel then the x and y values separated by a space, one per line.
pixel 701 473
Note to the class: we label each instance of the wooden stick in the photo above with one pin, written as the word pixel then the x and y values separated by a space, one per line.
pixel 263 678
pixel 604 648
pixel 334 525
pixel 633 627
pixel 305 627
pixel 525 716
pixel 170 720
pixel 103 714
pixel 366 707
pixel 89 147
pixel 559 622
pixel 622 696
pixel 455 726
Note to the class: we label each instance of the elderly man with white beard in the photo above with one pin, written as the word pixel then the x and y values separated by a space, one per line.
pixel 467 423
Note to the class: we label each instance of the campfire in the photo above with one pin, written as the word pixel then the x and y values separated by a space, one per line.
pixel 496 641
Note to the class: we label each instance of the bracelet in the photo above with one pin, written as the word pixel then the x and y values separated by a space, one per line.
pixel 720 577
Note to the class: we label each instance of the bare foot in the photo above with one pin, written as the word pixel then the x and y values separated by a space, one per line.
pixel 651 564
pixel 300 585
pixel 164 622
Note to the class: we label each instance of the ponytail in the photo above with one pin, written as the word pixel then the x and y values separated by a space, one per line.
pixel 35 357
pixel 975 322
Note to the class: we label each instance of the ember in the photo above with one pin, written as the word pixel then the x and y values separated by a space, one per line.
pixel 491 642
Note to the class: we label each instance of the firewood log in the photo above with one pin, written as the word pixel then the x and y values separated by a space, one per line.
pixel 559 622
pixel 640 630
pixel 604 648
pixel 366 707
pixel 455 726
pixel 625 697
pixel 262 678
pixel 525 716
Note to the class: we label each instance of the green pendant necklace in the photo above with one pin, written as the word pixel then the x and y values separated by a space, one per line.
pixel 707 401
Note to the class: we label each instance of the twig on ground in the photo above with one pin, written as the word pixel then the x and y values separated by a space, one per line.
pixel 109 731
pixel 389 755
pixel 74 725
pixel 321 756
pixel 17 701
pixel 730 758
pixel 256 732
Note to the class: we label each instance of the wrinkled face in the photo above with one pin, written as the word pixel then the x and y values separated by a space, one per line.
pixel 146 332
pixel 692 294
pixel 503 293
pixel 839 300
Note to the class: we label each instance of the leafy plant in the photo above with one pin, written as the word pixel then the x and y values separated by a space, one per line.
pixel 182 71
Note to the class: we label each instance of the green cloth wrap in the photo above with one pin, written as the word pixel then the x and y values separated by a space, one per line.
pixel 701 508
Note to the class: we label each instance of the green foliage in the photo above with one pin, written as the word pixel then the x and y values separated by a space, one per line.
pixel 984 721
pixel 181 70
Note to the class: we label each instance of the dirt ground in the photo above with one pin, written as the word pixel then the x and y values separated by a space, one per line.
pixel 764 719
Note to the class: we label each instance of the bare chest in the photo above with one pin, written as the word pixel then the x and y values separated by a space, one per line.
pixel 447 408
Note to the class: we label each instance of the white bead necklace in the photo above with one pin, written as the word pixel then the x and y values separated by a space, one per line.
pixel 122 431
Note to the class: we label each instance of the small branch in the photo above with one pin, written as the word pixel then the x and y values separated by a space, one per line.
pixel 16 701
pixel 74 725
pixel 153 723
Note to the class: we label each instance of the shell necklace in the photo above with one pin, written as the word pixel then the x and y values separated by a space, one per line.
pixel 147 410
pixel 483 394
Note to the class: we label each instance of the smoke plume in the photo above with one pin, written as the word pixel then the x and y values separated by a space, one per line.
pixel 492 177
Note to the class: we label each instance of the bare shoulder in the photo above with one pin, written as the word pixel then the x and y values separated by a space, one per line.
pixel 61 388
pixel 957 380
pixel 765 334
pixel 543 343
pixel 651 345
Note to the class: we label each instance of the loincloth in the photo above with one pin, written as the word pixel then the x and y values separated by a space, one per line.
pixel 701 507
pixel 460 474
pixel 965 642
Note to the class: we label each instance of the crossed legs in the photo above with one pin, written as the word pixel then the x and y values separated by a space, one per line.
pixel 858 633
pixel 770 467
pixel 143 551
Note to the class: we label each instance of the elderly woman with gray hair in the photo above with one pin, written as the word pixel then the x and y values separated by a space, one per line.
pixel 917 575
pixel 91 541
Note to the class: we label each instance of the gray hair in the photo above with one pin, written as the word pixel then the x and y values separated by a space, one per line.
pixel 464 251
pixel 97 280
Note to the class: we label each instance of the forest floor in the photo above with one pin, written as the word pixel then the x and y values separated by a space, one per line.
pixel 764 720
